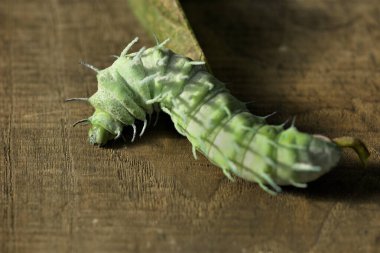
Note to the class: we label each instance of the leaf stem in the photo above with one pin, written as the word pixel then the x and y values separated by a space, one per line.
pixel 356 144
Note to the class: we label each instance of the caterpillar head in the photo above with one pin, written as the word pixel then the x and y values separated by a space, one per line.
pixel 114 107
pixel 103 128
pixel 97 135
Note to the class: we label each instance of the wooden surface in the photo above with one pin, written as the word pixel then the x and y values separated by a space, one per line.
pixel 318 60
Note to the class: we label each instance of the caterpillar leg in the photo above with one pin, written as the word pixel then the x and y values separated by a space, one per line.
pixel 193 149
pixel 227 173
pixel 134 132
pixel 129 46
pixel 81 122
pixel 266 188
pixel 143 128
pixel 76 99
pixel 90 66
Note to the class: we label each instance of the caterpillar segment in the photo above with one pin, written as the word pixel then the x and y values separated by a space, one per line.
pixel 217 124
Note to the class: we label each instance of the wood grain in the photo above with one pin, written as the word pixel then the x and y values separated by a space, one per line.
pixel 318 60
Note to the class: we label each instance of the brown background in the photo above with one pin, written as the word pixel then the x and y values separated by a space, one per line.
pixel 318 60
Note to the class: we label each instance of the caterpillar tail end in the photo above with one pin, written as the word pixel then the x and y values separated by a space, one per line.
pixel 304 163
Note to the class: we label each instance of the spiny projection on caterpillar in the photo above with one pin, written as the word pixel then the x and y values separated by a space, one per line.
pixel 217 124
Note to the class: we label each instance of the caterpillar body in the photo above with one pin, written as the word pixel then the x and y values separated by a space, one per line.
pixel 217 124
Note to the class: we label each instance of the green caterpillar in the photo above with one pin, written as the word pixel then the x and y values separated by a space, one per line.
pixel 217 124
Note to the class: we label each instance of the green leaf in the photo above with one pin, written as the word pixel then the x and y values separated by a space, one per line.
pixel 166 19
